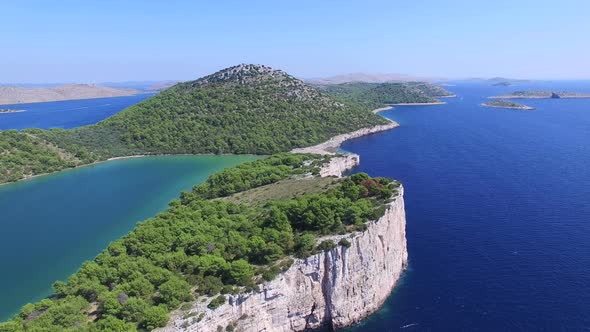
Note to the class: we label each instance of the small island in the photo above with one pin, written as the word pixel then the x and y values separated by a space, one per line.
pixel 542 94
pixel 2 111
pixel 501 103
pixel 503 83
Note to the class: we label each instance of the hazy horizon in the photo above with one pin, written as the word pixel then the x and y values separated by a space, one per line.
pixel 114 41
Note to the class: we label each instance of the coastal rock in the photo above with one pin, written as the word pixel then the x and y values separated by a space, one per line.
pixel 331 146
pixel 338 165
pixel 335 288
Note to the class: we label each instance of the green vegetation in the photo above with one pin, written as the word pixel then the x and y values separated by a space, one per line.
pixel 203 245
pixel 258 173
pixel 502 103
pixel 283 189
pixel 23 155
pixel 533 94
pixel 378 94
pixel 246 109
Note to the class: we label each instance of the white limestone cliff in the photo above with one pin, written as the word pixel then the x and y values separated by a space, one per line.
pixel 337 166
pixel 335 288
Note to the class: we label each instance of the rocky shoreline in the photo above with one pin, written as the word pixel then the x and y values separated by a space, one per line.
pixel 330 147
pixel 7 111
pixel 520 107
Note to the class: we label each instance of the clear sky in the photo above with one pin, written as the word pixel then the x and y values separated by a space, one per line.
pixel 97 41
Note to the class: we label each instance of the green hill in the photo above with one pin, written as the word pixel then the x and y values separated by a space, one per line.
pixel 378 94
pixel 245 109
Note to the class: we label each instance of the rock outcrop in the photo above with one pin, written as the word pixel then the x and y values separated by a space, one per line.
pixel 331 146
pixel 337 166
pixel 335 288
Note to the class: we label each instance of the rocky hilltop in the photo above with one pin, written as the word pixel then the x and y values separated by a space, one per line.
pixel 244 109
pixel 18 95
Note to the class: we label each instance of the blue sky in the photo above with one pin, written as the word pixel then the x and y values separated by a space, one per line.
pixel 97 41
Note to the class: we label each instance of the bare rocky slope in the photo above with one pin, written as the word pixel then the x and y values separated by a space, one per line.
pixel 19 95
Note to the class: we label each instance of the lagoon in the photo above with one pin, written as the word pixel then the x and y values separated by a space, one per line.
pixel 52 223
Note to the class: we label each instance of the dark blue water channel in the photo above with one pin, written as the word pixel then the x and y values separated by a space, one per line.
pixel 65 114
pixel 498 212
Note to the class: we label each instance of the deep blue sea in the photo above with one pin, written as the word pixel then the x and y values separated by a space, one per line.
pixel 65 114
pixel 498 213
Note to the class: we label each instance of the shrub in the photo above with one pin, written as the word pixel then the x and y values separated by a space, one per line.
pixel 326 245
pixel 344 242
pixel 216 302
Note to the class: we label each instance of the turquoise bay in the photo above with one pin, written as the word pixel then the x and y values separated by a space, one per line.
pixel 52 223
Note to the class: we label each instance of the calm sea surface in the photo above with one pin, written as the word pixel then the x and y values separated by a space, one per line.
pixel 52 223
pixel 65 114
pixel 498 211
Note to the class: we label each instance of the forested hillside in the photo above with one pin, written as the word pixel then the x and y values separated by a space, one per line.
pixel 243 109
pixel 378 94
pixel 203 247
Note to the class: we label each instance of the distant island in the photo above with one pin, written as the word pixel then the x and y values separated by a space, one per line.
pixel 377 94
pixel 21 95
pixel 504 83
pixel 2 111
pixel 542 94
pixel 370 78
pixel 502 103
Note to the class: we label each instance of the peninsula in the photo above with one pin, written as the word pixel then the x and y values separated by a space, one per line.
pixel 20 95
pixel 237 251
pixel 542 94
pixel 4 111
pixel 502 103
pixel 250 249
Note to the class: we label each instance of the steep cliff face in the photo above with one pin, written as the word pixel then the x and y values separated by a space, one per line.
pixel 338 165
pixel 335 288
